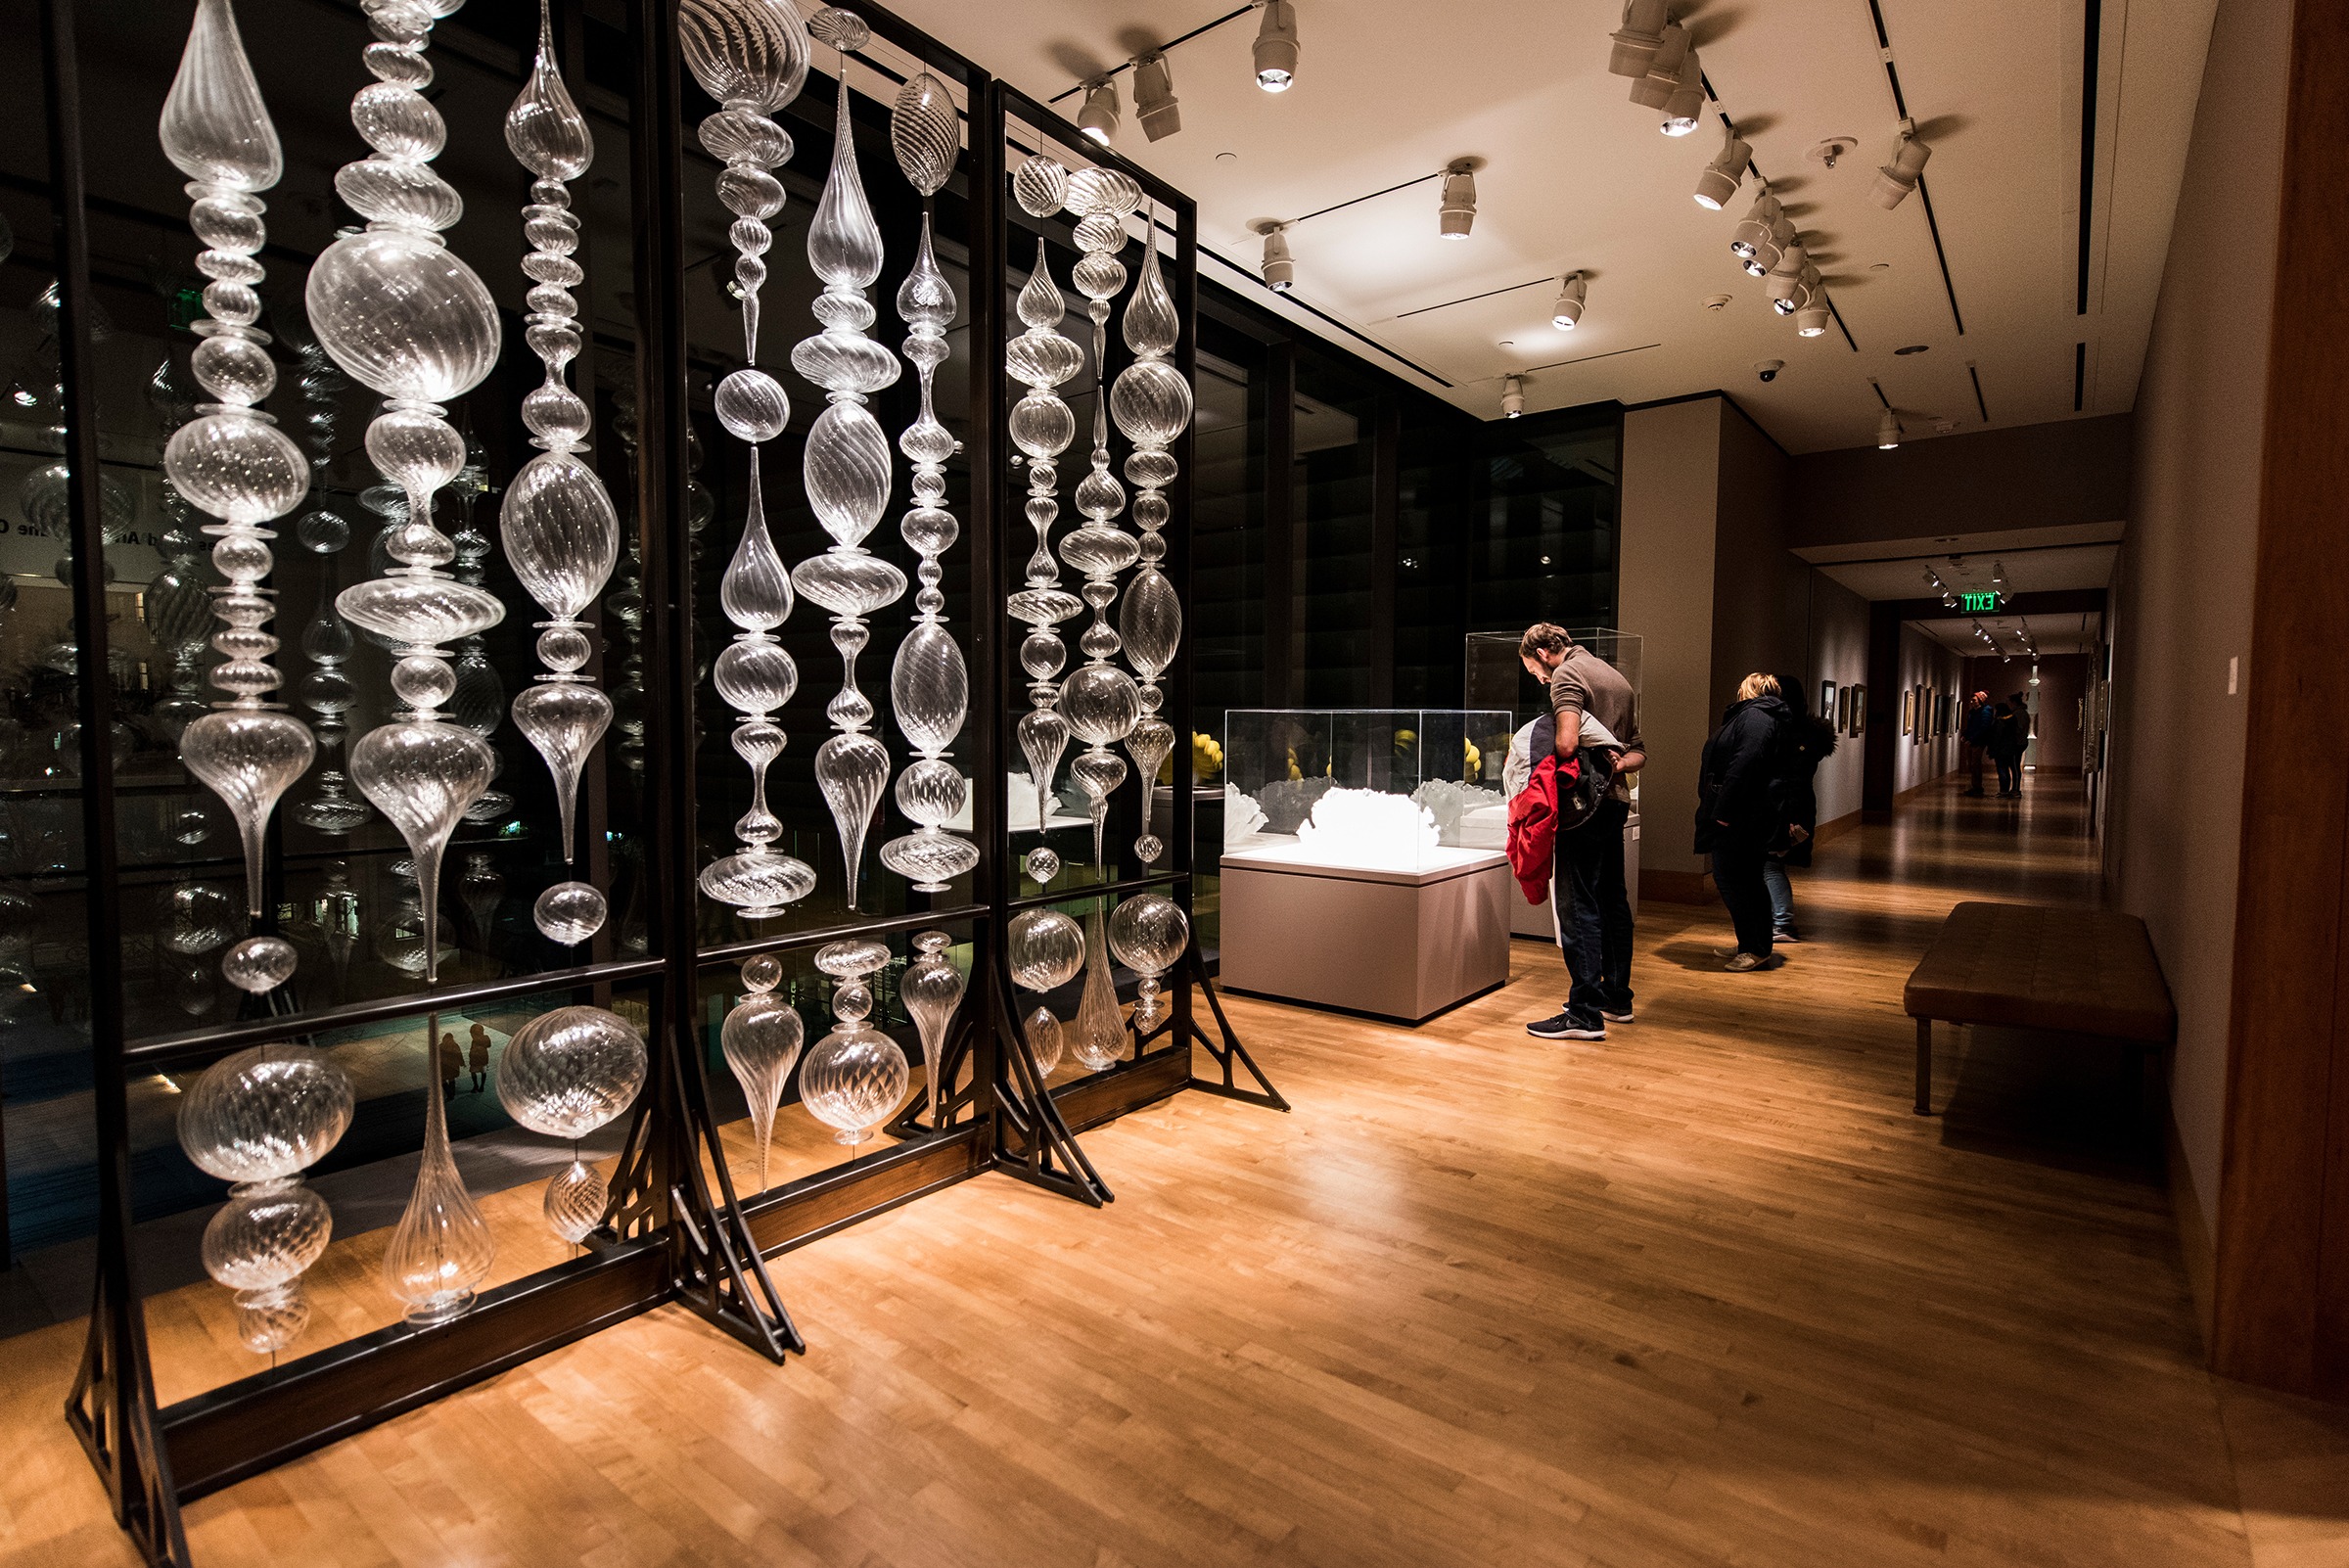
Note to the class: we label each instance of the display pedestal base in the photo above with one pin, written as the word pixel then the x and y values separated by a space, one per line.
pixel 1398 944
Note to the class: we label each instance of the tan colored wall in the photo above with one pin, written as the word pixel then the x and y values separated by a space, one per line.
pixel 1838 620
pixel 2055 474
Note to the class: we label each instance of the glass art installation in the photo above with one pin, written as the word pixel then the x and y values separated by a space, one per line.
pixel 1100 1036
pixel 846 465
pixel 560 530
pixel 1042 428
pixel 1367 827
pixel 256 1119
pixel 752 57
pixel 932 988
pixel 928 685
pixel 231 460
pixel 1148 934
pixel 855 1078
pixel 565 1074
pixel 1046 949
pixel 1100 701
pixel 441 1249
pixel 1152 404
pixel 408 319
pixel 762 1037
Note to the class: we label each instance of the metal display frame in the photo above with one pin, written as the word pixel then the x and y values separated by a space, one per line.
pixel 671 1233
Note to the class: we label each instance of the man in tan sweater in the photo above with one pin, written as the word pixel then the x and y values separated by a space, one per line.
pixel 1588 899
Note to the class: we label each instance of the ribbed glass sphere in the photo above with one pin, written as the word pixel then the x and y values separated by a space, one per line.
pixel 568 1072
pixel 264 1113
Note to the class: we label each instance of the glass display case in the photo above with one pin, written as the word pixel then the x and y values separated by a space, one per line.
pixel 1385 789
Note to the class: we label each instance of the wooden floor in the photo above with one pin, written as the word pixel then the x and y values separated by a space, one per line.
pixel 1705 1294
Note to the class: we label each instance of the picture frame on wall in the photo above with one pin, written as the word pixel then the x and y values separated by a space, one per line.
pixel 1840 715
pixel 1858 708
pixel 1908 711
pixel 1826 700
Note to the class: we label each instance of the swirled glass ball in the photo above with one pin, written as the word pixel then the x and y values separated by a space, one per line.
pixel 264 1113
pixel 569 912
pixel 568 1072
pixel 1148 933
pixel 854 1079
pixel 1047 949
pixel 258 964
pixel 266 1234
pixel 575 1196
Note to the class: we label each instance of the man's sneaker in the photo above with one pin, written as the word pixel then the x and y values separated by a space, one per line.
pixel 1566 1025
pixel 1785 934
pixel 1743 963
pixel 1624 1017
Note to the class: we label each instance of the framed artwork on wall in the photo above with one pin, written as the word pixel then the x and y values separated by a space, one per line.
pixel 1826 699
pixel 1841 713
pixel 1908 711
pixel 1858 708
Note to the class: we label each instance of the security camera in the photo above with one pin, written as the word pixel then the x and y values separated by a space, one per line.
pixel 1767 369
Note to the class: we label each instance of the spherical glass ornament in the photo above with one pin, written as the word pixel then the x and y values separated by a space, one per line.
pixel 1043 865
pixel 569 912
pixel 762 971
pixel 568 1072
pixel 1044 1040
pixel 258 964
pixel 269 1320
pixel 403 315
pixel 1148 848
pixel 1040 185
pixel 1148 933
pixel 575 1196
pixel 852 1080
pixel 264 1113
pixel 266 1234
pixel 1047 949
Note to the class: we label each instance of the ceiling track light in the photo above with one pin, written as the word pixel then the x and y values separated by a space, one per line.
pixel 1276 47
pixel 1279 269
pixel 1512 396
pixel 1753 228
pixel 1457 212
pixel 1888 432
pixel 1722 177
pixel 1573 289
pixel 1771 247
pixel 1098 119
pixel 1154 102
pixel 1663 78
pixel 1686 106
pixel 1636 42
pixel 1896 179
pixel 1811 321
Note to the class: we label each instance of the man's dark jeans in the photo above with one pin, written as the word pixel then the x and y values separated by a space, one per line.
pixel 1593 913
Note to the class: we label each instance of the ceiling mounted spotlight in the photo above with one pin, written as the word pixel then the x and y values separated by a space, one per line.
pixel 1276 47
pixel 1643 23
pixel 1655 89
pixel 1154 102
pixel 1771 247
pixel 1811 319
pixel 1569 309
pixel 1722 177
pixel 1753 228
pixel 1512 396
pixel 1459 209
pixel 1686 104
pixel 1896 179
pixel 1281 270
pixel 1098 119
pixel 1888 432
pixel 1785 280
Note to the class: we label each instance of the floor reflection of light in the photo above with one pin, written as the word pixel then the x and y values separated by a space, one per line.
pixel 164 1078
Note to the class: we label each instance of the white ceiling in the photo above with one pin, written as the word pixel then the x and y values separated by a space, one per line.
pixel 2055 634
pixel 1574 176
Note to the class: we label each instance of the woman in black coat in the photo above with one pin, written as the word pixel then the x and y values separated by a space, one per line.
pixel 1738 810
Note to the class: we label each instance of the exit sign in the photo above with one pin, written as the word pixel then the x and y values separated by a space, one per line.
pixel 1982 604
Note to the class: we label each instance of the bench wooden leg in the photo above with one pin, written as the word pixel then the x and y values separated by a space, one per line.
pixel 1924 1067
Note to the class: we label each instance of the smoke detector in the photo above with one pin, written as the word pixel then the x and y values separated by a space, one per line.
pixel 1829 150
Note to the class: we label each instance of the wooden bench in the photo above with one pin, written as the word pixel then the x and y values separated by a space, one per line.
pixel 2039 966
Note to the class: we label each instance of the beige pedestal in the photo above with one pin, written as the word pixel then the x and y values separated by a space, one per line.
pixel 1400 944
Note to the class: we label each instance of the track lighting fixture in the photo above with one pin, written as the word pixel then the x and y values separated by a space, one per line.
pixel 1896 179
pixel 1281 270
pixel 1722 177
pixel 1753 228
pixel 1512 396
pixel 1459 209
pixel 1686 104
pixel 1643 23
pixel 1154 102
pixel 1811 321
pixel 1663 78
pixel 1998 575
pixel 1276 47
pixel 1888 432
pixel 1569 309
pixel 1785 280
pixel 1098 119
pixel 1769 247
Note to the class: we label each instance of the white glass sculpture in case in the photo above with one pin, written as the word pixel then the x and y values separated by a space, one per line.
pixel 932 988
pixel 1387 789
pixel 1148 934
pixel 1046 949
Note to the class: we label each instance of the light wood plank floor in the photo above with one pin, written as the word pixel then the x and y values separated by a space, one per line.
pixel 1705 1294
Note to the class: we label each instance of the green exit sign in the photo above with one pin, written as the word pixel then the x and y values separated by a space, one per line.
pixel 1982 603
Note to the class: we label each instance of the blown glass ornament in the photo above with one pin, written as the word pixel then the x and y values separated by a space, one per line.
pixel 565 1074
pixel 762 1037
pixel 409 320
pixel 752 57
pixel 575 1199
pixel 1046 949
pixel 855 1076
pixel 846 465
pixel 1042 428
pixel 231 460
pixel 1152 406
pixel 259 1244
pixel 1149 933
pixel 569 912
pixel 932 988
pixel 560 527
pixel 928 685
pixel 441 1249
pixel 1100 1037
pixel 1045 1043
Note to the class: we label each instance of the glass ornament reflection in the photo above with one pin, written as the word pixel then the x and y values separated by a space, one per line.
pixel 565 1074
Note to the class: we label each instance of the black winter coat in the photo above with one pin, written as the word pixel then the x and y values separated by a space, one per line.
pixel 1803 744
pixel 1738 779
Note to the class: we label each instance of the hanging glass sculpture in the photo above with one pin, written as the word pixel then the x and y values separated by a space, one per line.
pixel 846 462
pixel 928 685
pixel 560 530
pixel 565 1074
pixel 1046 949
pixel 752 57
pixel 569 912
pixel 441 1249
pixel 931 990
pixel 855 1078
pixel 256 1119
pixel 1100 1036
pixel 762 1037
pixel 328 691
pixel 1042 428
pixel 177 611
pixel 1148 934
pixel 1152 406
pixel 408 319
pixel 231 460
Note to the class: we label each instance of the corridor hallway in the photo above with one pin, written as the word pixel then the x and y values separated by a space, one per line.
pixel 1708 1293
